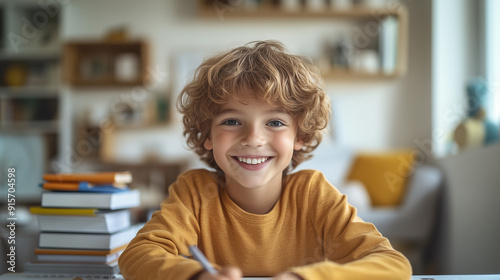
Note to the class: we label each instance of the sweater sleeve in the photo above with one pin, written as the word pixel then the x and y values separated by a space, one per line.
pixel 352 248
pixel 158 250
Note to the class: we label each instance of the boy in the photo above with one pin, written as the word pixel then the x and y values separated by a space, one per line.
pixel 252 114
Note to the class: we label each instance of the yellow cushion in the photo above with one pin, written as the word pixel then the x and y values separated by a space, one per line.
pixel 385 175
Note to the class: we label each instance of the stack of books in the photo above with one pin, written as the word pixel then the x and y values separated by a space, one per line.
pixel 84 221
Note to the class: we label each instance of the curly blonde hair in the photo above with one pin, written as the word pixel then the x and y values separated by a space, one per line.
pixel 273 75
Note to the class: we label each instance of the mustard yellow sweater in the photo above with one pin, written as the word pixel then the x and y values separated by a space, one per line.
pixel 311 231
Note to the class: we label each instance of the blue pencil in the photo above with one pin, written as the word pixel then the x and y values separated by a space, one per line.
pixel 198 255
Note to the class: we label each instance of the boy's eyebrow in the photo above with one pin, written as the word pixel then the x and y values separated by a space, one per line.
pixel 225 111
pixel 271 111
pixel 278 110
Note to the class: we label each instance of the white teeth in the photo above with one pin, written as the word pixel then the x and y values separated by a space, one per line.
pixel 252 160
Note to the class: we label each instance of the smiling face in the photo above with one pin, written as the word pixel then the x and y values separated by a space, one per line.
pixel 252 143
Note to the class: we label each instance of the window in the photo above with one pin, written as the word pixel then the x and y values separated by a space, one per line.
pixel 492 57
pixel 466 45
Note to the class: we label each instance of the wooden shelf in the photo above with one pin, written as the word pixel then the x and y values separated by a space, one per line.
pixel 147 126
pixel 93 63
pixel 29 92
pixel 30 112
pixel 51 126
pixel 338 74
pixel 31 55
pixel 104 82
pixel 221 10
pixel 357 11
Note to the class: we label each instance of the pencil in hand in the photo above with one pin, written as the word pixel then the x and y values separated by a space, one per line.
pixel 198 255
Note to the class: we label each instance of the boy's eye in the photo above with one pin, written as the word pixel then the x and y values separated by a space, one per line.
pixel 275 123
pixel 231 122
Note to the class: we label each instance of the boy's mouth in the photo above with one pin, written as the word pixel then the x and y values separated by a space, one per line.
pixel 252 160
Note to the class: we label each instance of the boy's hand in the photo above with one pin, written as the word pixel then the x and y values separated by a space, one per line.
pixel 287 276
pixel 226 273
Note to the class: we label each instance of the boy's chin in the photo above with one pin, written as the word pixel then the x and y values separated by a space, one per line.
pixel 247 184
pixel 250 182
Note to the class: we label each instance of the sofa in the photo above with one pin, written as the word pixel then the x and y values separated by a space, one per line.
pixel 410 224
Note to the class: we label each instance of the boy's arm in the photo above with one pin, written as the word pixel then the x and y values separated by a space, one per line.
pixel 353 249
pixel 158 250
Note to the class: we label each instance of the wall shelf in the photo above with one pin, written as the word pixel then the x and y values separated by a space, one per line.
pixel 97 63
pixel 29 91
pixel 338 74
pixel 357 11
pixel 33 55
pixel 44 127
pixel 392 39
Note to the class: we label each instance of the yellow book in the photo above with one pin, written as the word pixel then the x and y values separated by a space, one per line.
pixel 37 210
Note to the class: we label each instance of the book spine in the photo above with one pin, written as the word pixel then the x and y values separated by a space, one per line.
pixel 61 186
pixel 94 178
pixel 63 211
pixel 105 177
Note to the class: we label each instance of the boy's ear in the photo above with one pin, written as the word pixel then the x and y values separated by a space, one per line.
pixel 298 144
pixel 208 144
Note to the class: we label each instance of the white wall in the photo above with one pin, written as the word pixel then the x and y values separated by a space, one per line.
pixel 374 114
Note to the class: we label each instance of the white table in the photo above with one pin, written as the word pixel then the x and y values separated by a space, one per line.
pixel 33 276
pixel 457 277
pixel 430 277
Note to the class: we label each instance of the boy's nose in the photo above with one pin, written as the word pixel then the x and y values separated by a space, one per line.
pixel 254 137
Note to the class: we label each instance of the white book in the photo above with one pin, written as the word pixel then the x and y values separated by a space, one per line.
pixel 86 240
pixel 102 222
pixel 112 201
pixel 78 268
pixel 78 258
pixel 388 44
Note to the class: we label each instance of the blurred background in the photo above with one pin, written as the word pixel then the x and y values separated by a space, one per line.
pixel 91 86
